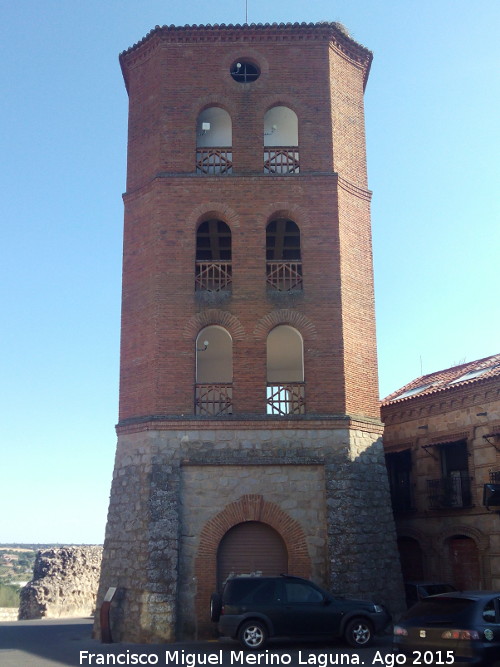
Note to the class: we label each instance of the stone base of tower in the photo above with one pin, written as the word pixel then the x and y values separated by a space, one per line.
pixel 319 486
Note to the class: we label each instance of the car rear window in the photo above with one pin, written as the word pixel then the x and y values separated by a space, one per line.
pixel 439 607
pixel 248 591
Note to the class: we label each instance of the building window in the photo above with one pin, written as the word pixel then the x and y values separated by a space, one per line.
pixel 453 488
pixel 214 153
pixel 281 141
pixel 284 265
pixel 213 256
pixel 214 372
pixel 244 71
pixel 399 467
pixel 285 372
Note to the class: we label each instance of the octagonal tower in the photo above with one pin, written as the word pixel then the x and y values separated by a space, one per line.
pixel 249 437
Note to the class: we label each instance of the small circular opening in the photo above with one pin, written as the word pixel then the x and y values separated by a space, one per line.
pixel 244 71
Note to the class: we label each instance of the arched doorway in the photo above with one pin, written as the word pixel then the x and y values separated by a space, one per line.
pixel 412 561
pixel 464 563
pixel 251 547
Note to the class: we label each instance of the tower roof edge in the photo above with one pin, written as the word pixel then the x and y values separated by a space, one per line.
pixel 328 31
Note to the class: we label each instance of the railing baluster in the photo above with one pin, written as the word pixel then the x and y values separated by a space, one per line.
pixel 213 276
pixel 284 276
pixel 286 399
pixel 214 399
pixel 449 492
pixel 281 160
pixel 212 161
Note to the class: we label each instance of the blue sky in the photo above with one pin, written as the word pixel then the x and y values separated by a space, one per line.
pixel 432 106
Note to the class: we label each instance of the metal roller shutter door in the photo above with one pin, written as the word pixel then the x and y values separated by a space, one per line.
pixel 251 547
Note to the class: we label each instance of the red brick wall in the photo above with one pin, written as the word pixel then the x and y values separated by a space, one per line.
pixel 171 77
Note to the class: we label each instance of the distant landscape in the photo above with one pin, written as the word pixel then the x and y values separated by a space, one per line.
pixel 16 569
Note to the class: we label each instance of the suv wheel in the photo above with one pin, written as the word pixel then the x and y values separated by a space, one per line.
pixel 253 635
pixel 215 607
pixel 358 632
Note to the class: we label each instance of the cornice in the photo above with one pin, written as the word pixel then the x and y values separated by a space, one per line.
pixel 343 183
pixel 248 422
pixel 253 33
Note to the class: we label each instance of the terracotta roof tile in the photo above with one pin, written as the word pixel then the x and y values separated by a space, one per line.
pixel 332 28
pixel 449 378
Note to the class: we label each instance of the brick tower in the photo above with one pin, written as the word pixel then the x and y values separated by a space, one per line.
pixel 249 436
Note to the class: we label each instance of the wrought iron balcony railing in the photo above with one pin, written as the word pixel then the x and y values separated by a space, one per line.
pixel 281 160
pixel 214 161
pixel 449 492
pixel 214 400
pixel 213 276
pixel 286 399
pixel 284 276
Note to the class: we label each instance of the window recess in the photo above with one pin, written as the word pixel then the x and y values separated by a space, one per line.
pixel 213 257
pixel 283 257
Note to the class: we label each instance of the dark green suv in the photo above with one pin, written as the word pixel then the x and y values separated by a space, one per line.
pixel 252 609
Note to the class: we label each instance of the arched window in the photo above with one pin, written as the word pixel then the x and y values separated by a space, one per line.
pixel 284 265
pixel 285 372
pixel 281 141
pixel 214 141
pixel 213 256
pixel 214 372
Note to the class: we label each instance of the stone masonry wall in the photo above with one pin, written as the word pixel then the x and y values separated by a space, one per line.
pixel 364 560
pixel 64 583
pixel 168 485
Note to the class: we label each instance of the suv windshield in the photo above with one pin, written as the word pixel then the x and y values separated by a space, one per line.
pixel 439 607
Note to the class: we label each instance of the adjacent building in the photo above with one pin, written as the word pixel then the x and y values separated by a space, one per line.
pixel 442 443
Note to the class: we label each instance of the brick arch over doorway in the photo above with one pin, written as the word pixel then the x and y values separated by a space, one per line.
pixel 246 508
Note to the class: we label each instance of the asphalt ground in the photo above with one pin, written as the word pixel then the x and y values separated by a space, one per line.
pixel 56 642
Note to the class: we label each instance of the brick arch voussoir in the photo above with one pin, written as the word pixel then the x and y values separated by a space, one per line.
pixel 280 100
pixel 283 209
pixel 201 103
pixel 210 317
pixel 219 209
pixel 250 507
pixel 284 316
pixel 482 541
